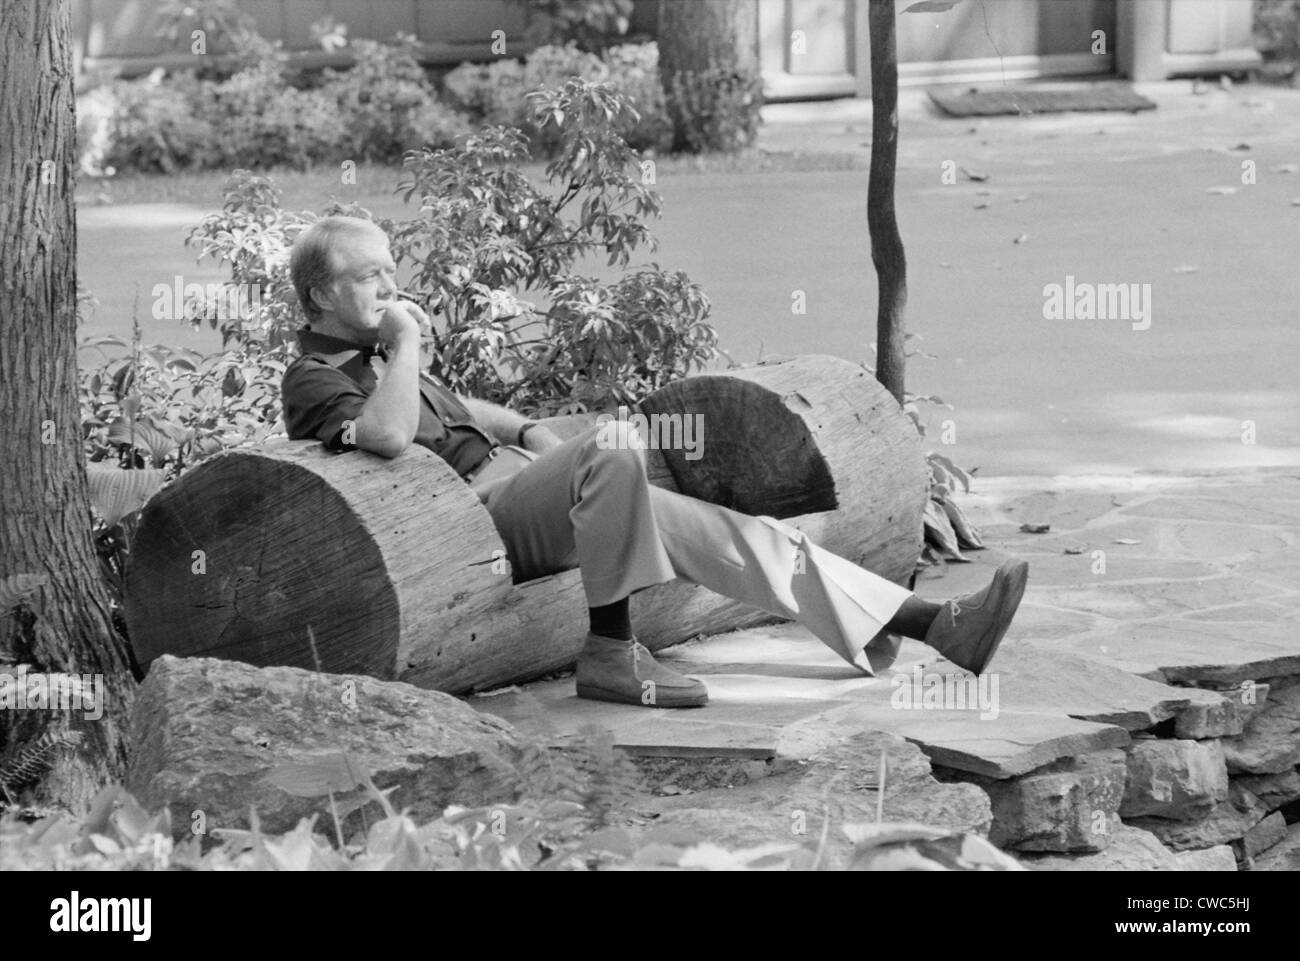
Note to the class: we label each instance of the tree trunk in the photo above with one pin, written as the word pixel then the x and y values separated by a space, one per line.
pixel 63 625
pixel 886 244
pixel 708 64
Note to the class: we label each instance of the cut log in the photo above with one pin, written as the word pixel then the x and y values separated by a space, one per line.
pixel 287 554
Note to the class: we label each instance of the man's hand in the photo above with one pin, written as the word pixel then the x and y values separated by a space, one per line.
pixel 401 322
pixel 391 415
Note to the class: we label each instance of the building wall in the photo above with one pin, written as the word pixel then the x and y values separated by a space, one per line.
pixel 977 40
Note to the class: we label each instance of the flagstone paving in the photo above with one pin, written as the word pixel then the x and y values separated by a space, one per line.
pixel 1141 584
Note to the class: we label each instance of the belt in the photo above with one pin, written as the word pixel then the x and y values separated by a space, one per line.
pixel 492 454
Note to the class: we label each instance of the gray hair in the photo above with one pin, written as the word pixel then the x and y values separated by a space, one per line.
pixel 310 260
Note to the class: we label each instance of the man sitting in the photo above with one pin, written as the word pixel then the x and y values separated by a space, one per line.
pixel 586 502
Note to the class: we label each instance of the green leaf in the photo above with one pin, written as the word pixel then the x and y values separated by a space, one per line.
pixel 334 773
pixel 116 493
pixel 144 436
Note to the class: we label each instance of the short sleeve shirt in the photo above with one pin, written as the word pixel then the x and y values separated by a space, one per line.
pixel 327 386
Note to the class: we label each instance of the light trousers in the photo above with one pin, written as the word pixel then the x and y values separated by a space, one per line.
pixel 587 504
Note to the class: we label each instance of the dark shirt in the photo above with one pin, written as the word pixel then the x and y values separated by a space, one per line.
pixel 329 383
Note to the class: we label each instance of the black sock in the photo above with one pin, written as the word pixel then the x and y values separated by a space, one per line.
pixel 612 620
pixel 914 618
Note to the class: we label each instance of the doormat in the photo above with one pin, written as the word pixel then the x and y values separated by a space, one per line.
pixel 1024 101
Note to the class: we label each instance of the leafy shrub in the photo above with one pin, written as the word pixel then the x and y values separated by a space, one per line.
pixel 487 234
pixel 259 120
pixel 377 110
pixel 387 104
pixel 634 69
pixel 497 93
pixel 152 126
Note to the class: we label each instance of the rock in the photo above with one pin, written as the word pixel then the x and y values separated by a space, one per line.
pixel 221 736
pixel 1176 779
pixel 1005 747
pixel 1070 805
pixel 791 803
pixel 1275 790
pixel 1207 714
pixel 1283 856
pixel 1245 699
pixel 1270 742
pixel 1229 820
pixel 1264 835
pixel 1130 849
pixel 1054 682
pixel 1218 858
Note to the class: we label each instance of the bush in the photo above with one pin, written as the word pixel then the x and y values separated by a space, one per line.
pixel 497 93
pixel 151 126
pixel 258 120
pixel 377 110
pixel 634 69
pixel 487 234
pixel 388 105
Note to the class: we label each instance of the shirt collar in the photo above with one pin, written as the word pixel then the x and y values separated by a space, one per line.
pixel 313 342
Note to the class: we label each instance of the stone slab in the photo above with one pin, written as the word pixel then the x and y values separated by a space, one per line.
pixel 1187 652
pixel 1262 837
pixel 1208 714
pixel 1283 856
pixel 1174 778
pixel 1270 743
pixel 777 691
pixel 1131 849
pixel 1275 790
pixel 1218 858
pixel 1047 681
pixel 1071 805
pixel 840 781
pixel 1222 510
pixel 1229 821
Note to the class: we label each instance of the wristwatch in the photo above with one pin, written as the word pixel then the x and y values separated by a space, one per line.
pixel 524 428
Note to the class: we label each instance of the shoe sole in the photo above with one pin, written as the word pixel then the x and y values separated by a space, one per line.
pixel 1014 575
pixel 615 697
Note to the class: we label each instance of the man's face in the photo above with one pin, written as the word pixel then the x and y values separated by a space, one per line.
pixel 364 285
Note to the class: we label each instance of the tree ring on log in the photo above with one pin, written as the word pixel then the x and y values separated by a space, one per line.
pixel 766 462
pixel 276 552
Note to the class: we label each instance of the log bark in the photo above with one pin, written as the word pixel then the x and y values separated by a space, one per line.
pixel 353 563
pixel 63 623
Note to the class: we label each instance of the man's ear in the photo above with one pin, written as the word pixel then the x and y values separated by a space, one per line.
pixel 323 298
